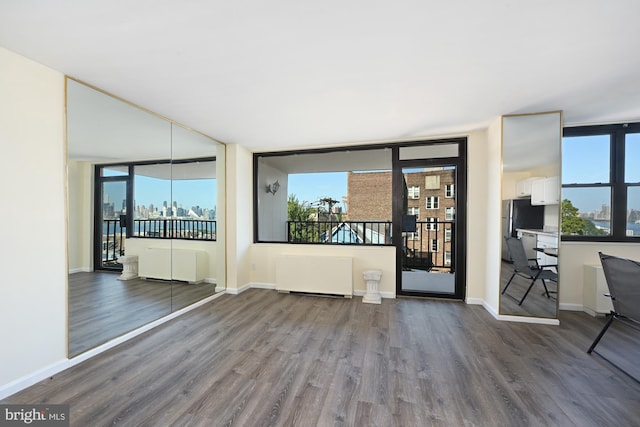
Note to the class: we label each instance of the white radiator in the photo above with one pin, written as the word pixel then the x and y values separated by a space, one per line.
pixel 594 287
pixel 177 264
pixel 315 274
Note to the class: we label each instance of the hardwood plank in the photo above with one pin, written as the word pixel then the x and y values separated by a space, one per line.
pixel 267 359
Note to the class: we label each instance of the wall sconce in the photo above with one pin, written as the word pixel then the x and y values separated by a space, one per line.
pixel 273 188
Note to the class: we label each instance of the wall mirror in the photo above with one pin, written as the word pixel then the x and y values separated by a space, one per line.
pixel 531 145
pixel 145 216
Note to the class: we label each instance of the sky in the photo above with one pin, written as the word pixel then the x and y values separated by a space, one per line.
pixel 310 187
pixel 189 193
pixel 593 167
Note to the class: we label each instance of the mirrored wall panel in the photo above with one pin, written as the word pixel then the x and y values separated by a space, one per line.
pixel 531 145
pixel 145 216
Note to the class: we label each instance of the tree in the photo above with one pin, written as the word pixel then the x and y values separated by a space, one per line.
pixel 572 223
pixel 301 229
pixel 298 211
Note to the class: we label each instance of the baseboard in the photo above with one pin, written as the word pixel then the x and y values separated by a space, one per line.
pixel 220 289
pixel 211 280
pixel 57 367
pixel 383 294
pixel 80 270
pixel 525 319
pixel 474 301
pixel 33 378
pixel 257 285
pixel 236 291
pixel 572 307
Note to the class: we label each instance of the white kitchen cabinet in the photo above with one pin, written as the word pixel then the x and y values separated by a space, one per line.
pixel 523 187
pixel 546 241
pixel 529 241
pixel 535 239
pixel 545 191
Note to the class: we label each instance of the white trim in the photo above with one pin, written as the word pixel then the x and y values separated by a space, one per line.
pixel 211 280
pixel 80 270
pixel 257 285
pixel 219 289
pixel 572 307
pixel 236 291
pixel 360 293
pixel 35 377
pixel 525 319
pixel 502 317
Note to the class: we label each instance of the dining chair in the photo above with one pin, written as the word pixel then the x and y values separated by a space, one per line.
pixel 521 267
pixel 622 276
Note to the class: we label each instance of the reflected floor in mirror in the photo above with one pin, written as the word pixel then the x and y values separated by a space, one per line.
pixel 535 305
pixel 101 307
pixel 423 281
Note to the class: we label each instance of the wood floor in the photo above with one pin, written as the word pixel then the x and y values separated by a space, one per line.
pixel 263 358
pixel 101 307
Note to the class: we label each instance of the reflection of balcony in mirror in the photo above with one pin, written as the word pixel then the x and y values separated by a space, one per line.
pixel 545 191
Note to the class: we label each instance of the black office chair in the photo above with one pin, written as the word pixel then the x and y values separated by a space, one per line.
pixel 521 267
pixel 623 281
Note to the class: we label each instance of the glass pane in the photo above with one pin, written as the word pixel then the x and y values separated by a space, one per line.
pixel 427 249
pixel 586 211
pixel 632 158
pixel 585 159
pixel 114 204
pixel 152 200
pixel 633 211
pixel 115 171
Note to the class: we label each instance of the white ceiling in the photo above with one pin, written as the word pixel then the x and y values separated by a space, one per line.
pixel 292 74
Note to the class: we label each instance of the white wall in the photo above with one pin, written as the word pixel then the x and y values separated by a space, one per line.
pixel 273 207
pixel 263 262
pixel 239 206
pixel 80 195
pixel 574 255
pixel 221 216
pixel 33 302
pixel 485 168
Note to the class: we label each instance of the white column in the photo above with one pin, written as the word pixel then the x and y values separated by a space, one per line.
pixel 372 278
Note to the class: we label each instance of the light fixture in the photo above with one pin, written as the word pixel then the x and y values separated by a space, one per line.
pixel 273 188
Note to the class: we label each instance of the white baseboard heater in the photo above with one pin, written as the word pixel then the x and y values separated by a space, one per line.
pixel 315 274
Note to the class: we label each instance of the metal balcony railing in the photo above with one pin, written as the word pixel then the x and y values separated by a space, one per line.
pixel 340 232
pixel 113 235
pixel 431 246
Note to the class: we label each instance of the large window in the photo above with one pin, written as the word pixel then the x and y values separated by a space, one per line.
pixel 325 196
pixel 601 183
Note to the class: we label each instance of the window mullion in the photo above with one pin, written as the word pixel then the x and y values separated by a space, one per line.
pixel 618 186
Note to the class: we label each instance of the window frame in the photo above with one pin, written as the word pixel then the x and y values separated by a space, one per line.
pixel 411 210
pixel 431 223
pixel 411 192
pixel 449 191
pixel 435 200
pixel 617 184
pixel 449 213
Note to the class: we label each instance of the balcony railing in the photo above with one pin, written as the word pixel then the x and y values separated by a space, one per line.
pixel 340 232
pixel 173 228
pixel 113 235
pixel 431 246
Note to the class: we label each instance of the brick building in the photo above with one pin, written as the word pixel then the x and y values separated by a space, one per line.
pixel 430 197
